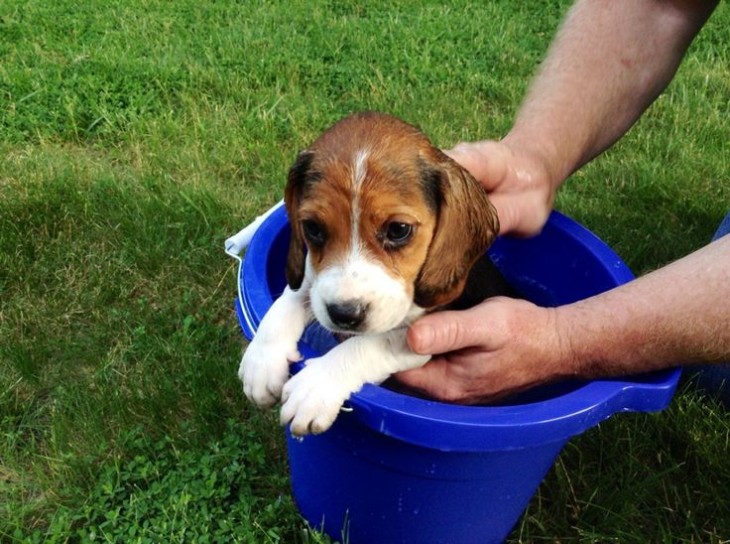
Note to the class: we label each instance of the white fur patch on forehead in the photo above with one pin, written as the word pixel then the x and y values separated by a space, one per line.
pixel 359 170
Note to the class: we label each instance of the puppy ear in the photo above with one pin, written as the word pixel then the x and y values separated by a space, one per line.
pixel 467 225
pixel 299 174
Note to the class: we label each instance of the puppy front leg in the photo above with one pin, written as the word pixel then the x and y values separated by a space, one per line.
pixel 313 397
pixel 264 368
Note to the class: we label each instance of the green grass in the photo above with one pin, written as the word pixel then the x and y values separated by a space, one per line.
pixel 135 136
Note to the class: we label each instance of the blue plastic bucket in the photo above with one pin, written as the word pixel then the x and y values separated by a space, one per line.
pixel 401 469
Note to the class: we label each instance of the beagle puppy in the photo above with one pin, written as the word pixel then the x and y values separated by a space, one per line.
pixel 384 228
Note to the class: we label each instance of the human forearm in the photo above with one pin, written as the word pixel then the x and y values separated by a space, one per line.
pixel 609 62
pixel 676 315
pixel 607 65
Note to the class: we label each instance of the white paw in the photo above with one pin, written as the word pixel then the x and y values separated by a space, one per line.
pixel 264 368
pixel 312 399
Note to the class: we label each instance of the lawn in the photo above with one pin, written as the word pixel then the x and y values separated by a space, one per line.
pixel 135 136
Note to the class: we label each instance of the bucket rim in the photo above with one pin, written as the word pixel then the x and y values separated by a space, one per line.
pixel 451 427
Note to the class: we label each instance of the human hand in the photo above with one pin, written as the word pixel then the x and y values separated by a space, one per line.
pixel 494 349
pixel 517 180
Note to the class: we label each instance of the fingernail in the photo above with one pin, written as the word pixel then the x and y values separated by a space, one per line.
pixel 424 338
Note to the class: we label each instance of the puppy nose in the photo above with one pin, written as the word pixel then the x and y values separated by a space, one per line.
pixel 348 315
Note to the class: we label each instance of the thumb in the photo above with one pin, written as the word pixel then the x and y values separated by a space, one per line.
pixel 442 332
pixel 487 161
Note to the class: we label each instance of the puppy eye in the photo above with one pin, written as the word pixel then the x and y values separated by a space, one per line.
pixel 397 234
pixel 314 232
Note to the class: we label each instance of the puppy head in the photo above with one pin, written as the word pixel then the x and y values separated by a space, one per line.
pixel 383 224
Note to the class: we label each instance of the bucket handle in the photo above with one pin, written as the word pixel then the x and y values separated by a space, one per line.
pixel 236 244
pixel 234 248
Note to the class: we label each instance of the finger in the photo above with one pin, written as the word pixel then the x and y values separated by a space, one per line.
pixel 429 379
pixel 506 212
pixel 485 160
pixel 442 332
pixel 521 215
